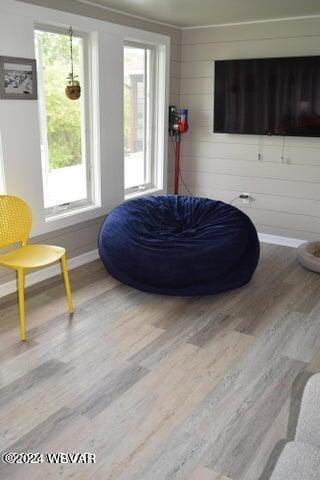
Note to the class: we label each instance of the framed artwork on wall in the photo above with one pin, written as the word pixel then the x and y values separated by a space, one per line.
pixel 18 78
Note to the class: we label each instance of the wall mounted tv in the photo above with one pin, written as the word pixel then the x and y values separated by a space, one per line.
pixel 271 96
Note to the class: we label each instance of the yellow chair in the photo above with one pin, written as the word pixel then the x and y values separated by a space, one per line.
pixel 15 226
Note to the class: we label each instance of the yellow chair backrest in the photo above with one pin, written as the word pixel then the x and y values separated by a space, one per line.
pixel 15 220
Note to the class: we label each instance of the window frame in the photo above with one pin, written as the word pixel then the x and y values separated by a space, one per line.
pixel 150 119
pixel 22 161
pixel 67 209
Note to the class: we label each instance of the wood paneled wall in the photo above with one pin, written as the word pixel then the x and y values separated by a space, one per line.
pixel 286 195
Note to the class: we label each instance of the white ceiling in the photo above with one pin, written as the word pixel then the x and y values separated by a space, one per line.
pixel 191 13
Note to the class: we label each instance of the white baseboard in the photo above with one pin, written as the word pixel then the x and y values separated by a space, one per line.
pixel 276 240
pixel 48 272
pixel 74 262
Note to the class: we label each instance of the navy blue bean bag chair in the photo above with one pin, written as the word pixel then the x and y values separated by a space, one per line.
pixel 179 245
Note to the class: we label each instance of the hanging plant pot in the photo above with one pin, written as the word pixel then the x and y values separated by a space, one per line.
pixel 73 90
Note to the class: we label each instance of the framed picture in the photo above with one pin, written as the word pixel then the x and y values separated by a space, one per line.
pixel 18 78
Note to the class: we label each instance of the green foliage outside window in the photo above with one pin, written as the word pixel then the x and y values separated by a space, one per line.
pixel 63 115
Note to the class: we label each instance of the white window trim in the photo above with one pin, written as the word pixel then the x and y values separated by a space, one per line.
pixel 107 146
pixel 157 184
pixel 60 211
pixel 150 119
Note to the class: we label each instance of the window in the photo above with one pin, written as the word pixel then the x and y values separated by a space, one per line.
pixel 63 122
pixel 139 121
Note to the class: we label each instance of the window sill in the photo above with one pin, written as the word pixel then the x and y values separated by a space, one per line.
pixel 150 191
pixel 70 212
pixel 69 219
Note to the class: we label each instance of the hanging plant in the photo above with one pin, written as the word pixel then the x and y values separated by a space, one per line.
pixel 73 89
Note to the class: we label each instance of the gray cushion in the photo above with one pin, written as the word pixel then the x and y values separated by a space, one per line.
pixel 308 255
pixel 308 429
pixel 298 461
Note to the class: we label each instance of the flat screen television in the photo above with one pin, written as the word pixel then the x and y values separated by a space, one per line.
pixel 270 96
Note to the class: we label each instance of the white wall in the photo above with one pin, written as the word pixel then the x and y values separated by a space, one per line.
pixel 286 195
pixel 19 121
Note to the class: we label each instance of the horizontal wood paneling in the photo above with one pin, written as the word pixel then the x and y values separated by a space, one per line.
pixel 276 213
pixel 202 85
pixel 202 69
pixel 175 67
pixel 253 211
pixel 201 134
pixel 273 47
pixel 254 185
pixel 254 31
pixel 287 232
pixel 291 221
pixel 174 86
pixel 247 148
pixel 199 117
pixel 285 182
pixel 175 52
pixel 261 201
pixel 253 168
pixel 198 101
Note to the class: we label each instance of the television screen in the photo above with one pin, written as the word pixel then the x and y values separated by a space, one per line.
pixel 272 96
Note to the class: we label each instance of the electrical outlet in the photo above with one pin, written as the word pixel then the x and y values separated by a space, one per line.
pixel 245 197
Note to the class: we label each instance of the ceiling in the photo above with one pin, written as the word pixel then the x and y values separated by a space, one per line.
pixel 191 13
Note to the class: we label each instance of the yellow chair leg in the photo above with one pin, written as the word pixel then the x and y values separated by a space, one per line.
pixel 67 283
pixel 22 317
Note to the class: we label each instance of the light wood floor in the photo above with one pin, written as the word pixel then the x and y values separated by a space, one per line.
pixel 159 388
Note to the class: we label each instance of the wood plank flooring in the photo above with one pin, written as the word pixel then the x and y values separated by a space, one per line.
pixel 159 388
